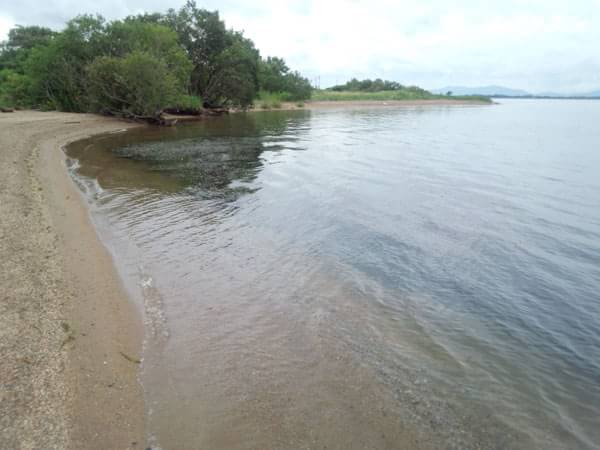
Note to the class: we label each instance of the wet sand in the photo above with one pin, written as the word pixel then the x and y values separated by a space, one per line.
pixel 65 319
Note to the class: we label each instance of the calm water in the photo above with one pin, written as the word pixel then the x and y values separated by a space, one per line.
pixel 375 278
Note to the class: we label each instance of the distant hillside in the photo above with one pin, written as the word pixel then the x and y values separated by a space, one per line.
pixel 501 91
pixel 488 91
pixel 592 94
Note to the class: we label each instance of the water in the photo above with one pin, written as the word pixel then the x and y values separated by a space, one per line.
pixel 362 278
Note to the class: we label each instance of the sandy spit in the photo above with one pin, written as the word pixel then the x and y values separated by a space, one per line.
pixel 357 104
pixel 65 319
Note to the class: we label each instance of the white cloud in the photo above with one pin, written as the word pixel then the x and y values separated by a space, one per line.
pixel 537 45
pixel 5 25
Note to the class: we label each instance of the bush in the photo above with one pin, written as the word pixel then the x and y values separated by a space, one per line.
pixel 187 103
pixel 14 89
pixel 268 100
pixel 138 84
pixel 275 76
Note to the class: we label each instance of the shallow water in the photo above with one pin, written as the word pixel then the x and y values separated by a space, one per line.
pixel 373 278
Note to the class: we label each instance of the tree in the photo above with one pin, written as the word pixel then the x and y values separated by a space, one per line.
pixel 368 85
pixel 274 76
pixel 272 73
pixel 135 34
pixel 72 70
pixel 14 51
pixel 58 69
pixel 225 64
pixel 233 79
pixel 139 84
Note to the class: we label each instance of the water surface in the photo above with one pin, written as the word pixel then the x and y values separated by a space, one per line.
pixel 368 278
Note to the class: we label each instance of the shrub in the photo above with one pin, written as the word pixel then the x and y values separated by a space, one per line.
pixel 138 84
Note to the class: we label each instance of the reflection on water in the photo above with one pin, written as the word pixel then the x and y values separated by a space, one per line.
pixel 383 278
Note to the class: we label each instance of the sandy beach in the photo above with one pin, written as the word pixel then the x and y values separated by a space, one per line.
pixel 65 320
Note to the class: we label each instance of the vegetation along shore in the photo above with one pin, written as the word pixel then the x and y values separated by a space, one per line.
pixel 183 62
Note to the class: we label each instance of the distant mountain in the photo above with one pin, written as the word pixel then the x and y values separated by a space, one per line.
pixel 501 91
pixel 592 94
pixel 489 91
pixel 551 94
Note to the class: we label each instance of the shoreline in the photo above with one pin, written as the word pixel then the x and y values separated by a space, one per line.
pixel 332 104
pixel 352 104
pixel 71 334
pixel 65 316
pixel 324 104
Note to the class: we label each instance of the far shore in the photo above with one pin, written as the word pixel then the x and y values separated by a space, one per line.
pixel 340 104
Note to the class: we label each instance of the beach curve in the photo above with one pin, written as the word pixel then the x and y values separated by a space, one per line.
pixel 65 319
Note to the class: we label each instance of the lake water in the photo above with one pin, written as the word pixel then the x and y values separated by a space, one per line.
pixel 380 278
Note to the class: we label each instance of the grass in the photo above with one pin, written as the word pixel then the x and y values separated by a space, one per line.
pixel 188 103
pixel 402 94
pixel 269 100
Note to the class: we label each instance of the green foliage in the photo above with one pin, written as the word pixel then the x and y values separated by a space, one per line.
pixel 381 90
pixel 225 64
pixel 269 100
pixel 402 94
pixel 139 84
pixel 233 80
pixel 13 88
pixel 57 71
pixel 367 85
pixel 124 37
pixel 272 74
pixel 406 94
pixel 140 65
pixel 275 76
pixel 188 103
pixel 21 40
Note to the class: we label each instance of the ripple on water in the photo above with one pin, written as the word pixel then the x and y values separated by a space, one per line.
pixel 362 278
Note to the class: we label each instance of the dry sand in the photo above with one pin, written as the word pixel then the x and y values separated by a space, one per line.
pixel 65 319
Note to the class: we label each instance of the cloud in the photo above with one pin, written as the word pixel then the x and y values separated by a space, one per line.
pixel 536 45
pixel 6 23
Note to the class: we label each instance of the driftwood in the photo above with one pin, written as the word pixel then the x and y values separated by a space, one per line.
pixel 155 120
pixel 7 110
pixel 184 111
pixel 216 111
pixel 170 116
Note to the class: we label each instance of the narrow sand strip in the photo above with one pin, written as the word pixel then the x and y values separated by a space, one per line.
pixel 65 319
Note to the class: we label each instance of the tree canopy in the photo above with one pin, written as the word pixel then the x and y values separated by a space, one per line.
pixel 368 85
pixel 139 65
pixel 275 76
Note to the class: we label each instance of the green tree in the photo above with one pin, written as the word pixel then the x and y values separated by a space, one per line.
pixel 233 79
pixel 58 70
pixel 14 51
pixel 225 64
pixel 124 37
pixel 274 76
pixel 272 73
pixel 139 84
pixel 195 54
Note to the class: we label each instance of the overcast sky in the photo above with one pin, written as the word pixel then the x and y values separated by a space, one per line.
pixel 536 45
